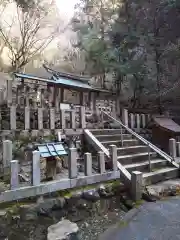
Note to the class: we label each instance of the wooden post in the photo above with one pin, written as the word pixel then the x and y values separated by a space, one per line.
pixel 52 118
pixel 82 117
pixel 113 156
pixel 136 185
pixel 7 156
pixel 172 148
pixel 101 161
pixel 40 118
pixel 63 120
pixel 36 172
pixel 72 163
pixel 27 118
pixel 88 164
pixel 13 117
pixel 14 174
pixel 125 117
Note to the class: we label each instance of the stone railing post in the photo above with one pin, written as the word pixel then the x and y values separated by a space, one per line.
pixel 9 92
pixel 125 117
pixel 14 174
pixel 36 172
pixel 101 161
pixel 113 156
pixel 13 117
pixel 27 118
pixel 52 118
pixel 138 122
pixel 73 119
pixel 172 148
pixel 7 157
pixel 40 118
pixel 132 124
pixel 143 117
pixel 136 185
pixel 88 164
pixel 72 163
pixel 82 117
pixel 178 149
pixel 63 119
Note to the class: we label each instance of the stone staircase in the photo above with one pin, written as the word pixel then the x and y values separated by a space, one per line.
pixel 134 156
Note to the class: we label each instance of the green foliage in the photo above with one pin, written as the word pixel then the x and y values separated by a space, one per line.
pixel 118 36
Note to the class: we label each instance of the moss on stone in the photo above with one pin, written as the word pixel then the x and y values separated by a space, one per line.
pixel 122 224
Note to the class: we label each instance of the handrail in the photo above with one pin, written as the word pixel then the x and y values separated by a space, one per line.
pixel 152 146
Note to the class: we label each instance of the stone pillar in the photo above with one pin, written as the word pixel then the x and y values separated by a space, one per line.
pixel 1 96
pixel 13 117
pixel 113 156
pixel 132 121
pixel 88 164
pixel 9 92
pixel 27 118
pixel 72 163
pixel 114 109
pixel 172 148
pixel 143 120
pixel 40 118
pixel 178 149
pixel 118 106
pixel 138 122
pixel 14 174
pixel 125 117
pixel 36 172
pixel 93 102
pixel 101 161
pixel 63 120
pixel 73 119
pixel 82 117
pixel 52 118
pixel 136 185
pixel 7 156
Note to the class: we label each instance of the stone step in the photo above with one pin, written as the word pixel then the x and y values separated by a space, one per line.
pixel 106 131
pixel 160 175
pixel 128 142
pixel 132 149
pixel 113 137
pixel 134 158
pixel 144 166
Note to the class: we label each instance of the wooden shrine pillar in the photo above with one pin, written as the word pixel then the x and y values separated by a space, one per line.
pixel 81 98
pixel 61 95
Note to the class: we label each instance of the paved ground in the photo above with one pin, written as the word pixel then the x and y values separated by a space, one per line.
pixel 152 221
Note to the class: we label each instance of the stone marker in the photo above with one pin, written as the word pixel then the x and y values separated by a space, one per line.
pixel 63 230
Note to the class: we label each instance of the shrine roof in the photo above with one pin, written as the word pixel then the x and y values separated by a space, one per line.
pixel 61 81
